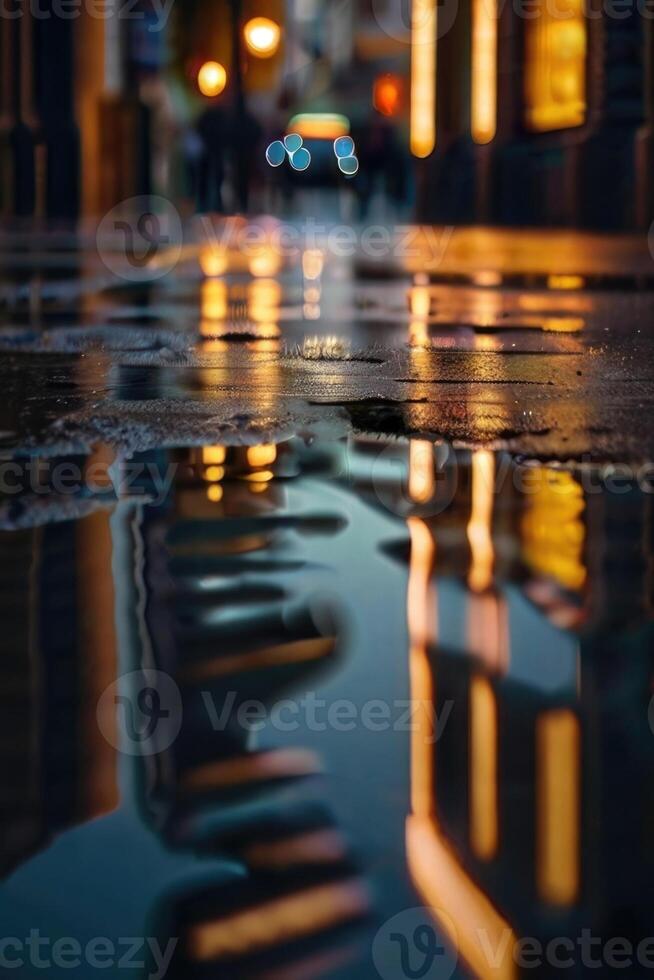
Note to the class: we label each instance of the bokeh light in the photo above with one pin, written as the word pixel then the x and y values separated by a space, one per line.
pixel 212 79
pixel 387 94
pixel 262 37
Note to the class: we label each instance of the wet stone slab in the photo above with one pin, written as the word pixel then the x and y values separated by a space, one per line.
pixel 552 373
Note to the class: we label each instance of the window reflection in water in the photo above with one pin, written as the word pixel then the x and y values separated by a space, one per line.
pixel 509 569
pixel 529 728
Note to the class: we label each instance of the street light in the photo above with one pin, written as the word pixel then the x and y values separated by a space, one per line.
pixel 262 37
pixel 387 94
pixel 212 78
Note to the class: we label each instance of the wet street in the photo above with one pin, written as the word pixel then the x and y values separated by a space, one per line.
pixel 327 586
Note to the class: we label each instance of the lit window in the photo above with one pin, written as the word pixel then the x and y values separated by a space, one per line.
pixel 555 67
pixel 484 70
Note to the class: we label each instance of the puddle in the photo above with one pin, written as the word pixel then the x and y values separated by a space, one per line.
pixel 327 638
pixel 259 700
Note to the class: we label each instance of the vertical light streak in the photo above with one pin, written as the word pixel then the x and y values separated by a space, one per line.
pixel 312 266
pixel 421 618
pixel 99 776
pixel 488 630
pixel 557 806
pixel 422 478
pixel 479 526
pixel 484 70
pixel 462 909
pixel 423 77
pixel 483 769
pixel 420 302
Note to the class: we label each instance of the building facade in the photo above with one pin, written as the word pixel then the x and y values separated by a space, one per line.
pixel 534 112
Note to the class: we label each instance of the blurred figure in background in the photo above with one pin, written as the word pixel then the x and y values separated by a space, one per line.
pixel 228 146
pixel 213 130
pixel 163 130
pixel 383 163
pixel 245 138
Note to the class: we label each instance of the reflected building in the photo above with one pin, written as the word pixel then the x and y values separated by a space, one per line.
pixel 58 655
pixel 530 805
pixel 528 608
pixel 292 909
pixel 221 618
pixel 200 585
pixel 220 622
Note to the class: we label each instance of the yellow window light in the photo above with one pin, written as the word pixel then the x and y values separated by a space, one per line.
pixel 423 77
pixel 262 36
pixel 263 455
pixel 484 833
pixel 213 455
pixel 484 70
pixel 212 79
pixel 565 282
pixel 558 806
pixel 553 528
pixel 555 75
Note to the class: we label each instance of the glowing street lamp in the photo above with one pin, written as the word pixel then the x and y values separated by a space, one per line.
pixel 212 79
pixel 262 37
pixel 387 95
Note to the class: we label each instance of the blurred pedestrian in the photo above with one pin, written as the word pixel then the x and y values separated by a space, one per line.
pixel 245 139
pixel 213 130
pixel 383 165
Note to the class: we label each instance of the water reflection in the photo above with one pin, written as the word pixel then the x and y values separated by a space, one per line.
pixel 227 631
pixel 532 732
pixel 522 784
